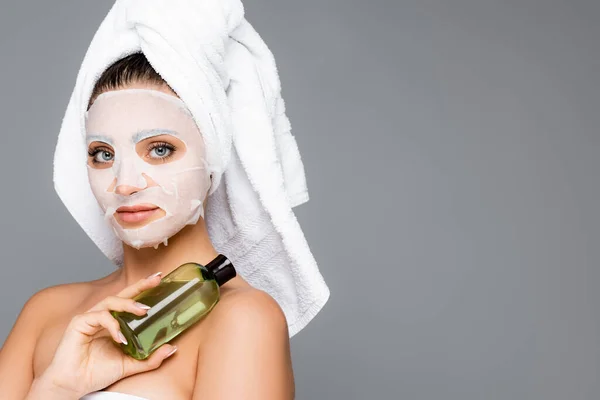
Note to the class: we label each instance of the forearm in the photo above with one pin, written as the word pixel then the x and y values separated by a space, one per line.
pixel 44 387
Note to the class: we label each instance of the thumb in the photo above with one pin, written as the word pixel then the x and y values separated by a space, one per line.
pixel 133 366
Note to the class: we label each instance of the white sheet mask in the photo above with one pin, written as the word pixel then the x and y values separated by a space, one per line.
pixel 123 118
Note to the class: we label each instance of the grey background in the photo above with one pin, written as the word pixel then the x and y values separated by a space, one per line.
pixel 451 151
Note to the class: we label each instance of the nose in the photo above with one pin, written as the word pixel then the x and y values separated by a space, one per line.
pixel 128 190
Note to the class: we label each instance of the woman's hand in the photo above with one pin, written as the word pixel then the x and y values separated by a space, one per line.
pixel 87 359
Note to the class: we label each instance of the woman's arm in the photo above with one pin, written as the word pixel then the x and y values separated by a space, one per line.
pixel 16 355
pixel 246 353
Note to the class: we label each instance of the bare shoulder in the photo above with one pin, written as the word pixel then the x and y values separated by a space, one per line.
pixel 58 299
pixel 57 302
pixel 39 308
pixel 250 309
pixel 17 353
pixel 246 350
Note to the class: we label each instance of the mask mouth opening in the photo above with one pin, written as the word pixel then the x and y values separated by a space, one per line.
pixel 136 216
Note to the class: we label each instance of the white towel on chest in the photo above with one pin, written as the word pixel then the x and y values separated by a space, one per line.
pixel 220 67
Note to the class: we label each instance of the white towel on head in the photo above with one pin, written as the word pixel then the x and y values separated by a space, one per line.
pixel 220 67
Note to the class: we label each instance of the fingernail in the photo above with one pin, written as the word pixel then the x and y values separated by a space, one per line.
pixel 172 351
pixel 121 337
pixel 153 275
pixel 142 306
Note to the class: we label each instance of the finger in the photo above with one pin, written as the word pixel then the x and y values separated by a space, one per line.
pixel 133 366
pixel 140 286
pixel 115 303
pixel 90 323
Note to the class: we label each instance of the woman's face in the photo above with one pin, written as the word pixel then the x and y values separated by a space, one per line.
pixel 146 164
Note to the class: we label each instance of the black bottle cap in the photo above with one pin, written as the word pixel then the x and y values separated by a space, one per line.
pixel 222 268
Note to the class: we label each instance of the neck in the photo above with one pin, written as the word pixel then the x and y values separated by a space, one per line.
pixel 191 244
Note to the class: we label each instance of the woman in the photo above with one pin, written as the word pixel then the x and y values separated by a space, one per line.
pixel 165 182
pixel 213 359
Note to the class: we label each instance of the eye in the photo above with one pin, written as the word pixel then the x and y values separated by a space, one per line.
pixel 101 155
pixel 161 150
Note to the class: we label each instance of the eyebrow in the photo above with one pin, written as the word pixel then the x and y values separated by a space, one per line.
pixel 99 138
pixel 147 133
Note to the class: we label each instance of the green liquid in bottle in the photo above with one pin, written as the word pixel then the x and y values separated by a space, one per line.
pixel 181 299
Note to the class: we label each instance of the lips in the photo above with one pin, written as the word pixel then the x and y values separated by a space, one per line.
pixel 136 214
pixel 137 208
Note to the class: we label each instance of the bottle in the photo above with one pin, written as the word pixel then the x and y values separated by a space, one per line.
pixel 181 299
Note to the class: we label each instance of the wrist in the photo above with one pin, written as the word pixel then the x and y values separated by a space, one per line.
pixel 48 386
